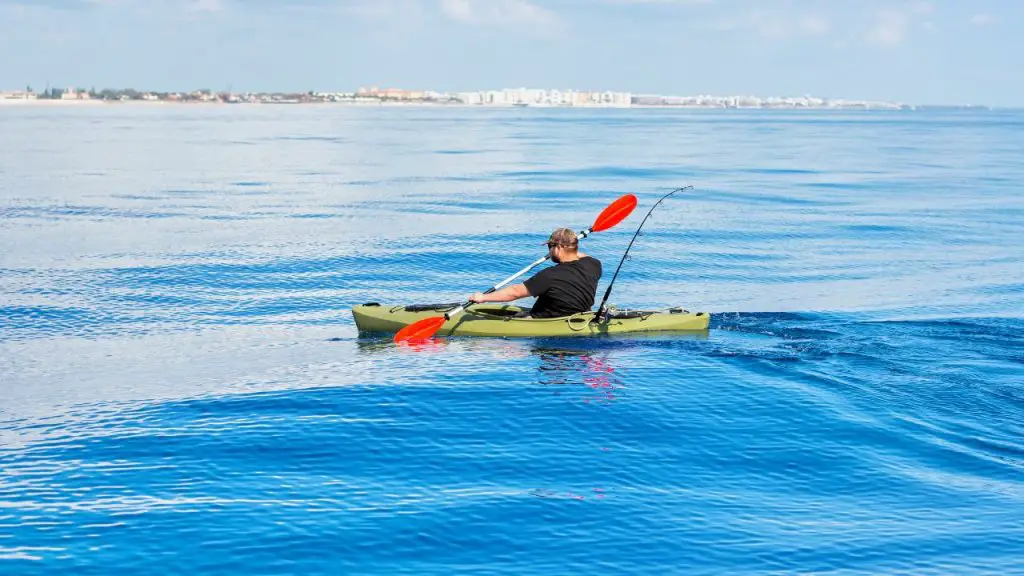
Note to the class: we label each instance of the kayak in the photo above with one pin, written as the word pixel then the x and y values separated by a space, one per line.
pixel 505 320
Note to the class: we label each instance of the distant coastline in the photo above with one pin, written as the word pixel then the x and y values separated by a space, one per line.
pixel 507 98
pixel 382 104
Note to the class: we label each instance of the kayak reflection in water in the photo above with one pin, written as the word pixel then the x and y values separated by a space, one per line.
pixel 572 367
pixel 567 288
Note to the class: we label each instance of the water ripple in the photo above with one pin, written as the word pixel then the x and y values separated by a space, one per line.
pixel 183 382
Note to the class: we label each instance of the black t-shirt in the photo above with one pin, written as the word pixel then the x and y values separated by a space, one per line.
pixel 564 289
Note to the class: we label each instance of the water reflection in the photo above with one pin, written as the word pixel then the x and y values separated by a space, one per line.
pixel 387 345
pixel 560 364
pixel 576 366
pixel 521 347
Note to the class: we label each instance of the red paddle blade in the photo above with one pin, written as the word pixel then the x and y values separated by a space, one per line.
pixel 420 330
pixel 615 212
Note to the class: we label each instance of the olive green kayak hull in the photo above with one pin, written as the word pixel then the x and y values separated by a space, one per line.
pixel 499 320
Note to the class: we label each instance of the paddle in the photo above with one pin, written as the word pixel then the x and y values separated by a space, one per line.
pixel 614 213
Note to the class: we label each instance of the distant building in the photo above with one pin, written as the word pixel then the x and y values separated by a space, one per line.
pixel 495 97
pixel 18 95
pixel 391 94
pixel 73 94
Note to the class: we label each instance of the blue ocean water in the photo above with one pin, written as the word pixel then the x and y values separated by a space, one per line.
pixel 183 390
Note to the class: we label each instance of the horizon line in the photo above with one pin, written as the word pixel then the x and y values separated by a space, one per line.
pixel 375 91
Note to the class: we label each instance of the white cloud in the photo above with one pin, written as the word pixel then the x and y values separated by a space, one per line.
pixel 206 5
pixel 774 24
pixel 893 25
pixel 659 1
pixel 814 25
pixel 983 19
pixel 461 10
pixel 188 5
pixel 497 12
pixel 890 28
pixel 371 8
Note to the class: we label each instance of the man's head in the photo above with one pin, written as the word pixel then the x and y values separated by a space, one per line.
pixel 562 243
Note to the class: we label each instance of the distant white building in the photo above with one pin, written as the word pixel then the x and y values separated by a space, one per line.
pixel 72 94
pixel 496 97
pixel 475 98
pixel 543 98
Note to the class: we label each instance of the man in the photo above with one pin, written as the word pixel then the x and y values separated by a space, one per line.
pixel 561 290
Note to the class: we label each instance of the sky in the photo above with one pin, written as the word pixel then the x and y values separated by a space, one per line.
pixel 909 51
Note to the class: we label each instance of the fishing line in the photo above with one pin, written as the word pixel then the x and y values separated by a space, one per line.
pixel 602 310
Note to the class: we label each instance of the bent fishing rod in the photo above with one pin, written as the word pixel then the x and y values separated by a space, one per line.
pixel 602 311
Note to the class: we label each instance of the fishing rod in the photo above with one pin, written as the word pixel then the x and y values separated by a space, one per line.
pixel 602 310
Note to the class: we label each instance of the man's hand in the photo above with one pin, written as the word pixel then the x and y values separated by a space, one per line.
pixel 478 297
